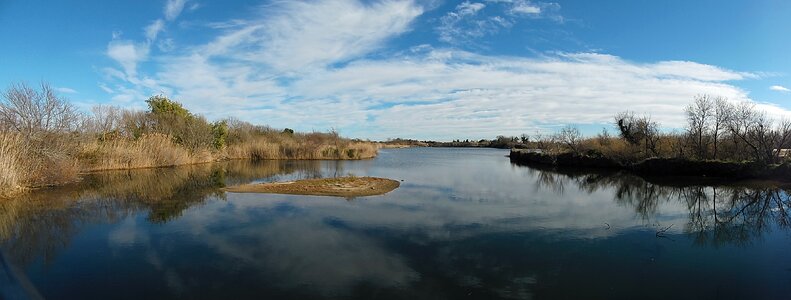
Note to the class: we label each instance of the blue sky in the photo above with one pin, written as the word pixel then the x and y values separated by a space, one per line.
pixel 417 69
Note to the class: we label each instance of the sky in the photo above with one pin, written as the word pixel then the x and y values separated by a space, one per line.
pixel 382 69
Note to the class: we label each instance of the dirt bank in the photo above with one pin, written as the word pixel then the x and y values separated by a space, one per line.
pixel 337 187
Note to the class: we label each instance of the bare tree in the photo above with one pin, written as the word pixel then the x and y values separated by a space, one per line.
pixel 106 118
pixel 781 138
pixel 571 137
pixel 739 127
pixel 699 117
pixel 723 110
pixel 757 132
pixel 30 111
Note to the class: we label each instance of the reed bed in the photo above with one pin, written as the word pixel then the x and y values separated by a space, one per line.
pixel 151 150
pixel 12 172
pixel 264 148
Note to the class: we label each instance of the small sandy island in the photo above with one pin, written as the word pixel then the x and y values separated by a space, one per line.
pixel 337 187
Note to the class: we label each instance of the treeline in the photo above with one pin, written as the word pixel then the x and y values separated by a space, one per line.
pixel 716 129
pixel 501 142
pixel 45 140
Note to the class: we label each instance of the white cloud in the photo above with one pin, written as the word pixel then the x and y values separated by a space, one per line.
pixel 105 88
pixel 298 35
pixel 522 7
pixel 66 90
pixel 127 54
pixel 299 67
pixel 467 94
pixel 468 8
pixel 153 30
pixel 466 25
pixel 779 88
pixel 459 25
pixel 173 9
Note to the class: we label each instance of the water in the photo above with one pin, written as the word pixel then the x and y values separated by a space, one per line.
pixel 465 223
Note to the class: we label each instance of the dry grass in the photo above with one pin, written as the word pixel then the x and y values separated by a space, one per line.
pixel 263 148
pixel 12 175
pixel 151 150
pixel 57 159
pixel 32 162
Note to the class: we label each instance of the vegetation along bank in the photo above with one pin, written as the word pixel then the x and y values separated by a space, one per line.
pixel 721 139
pixel 45 140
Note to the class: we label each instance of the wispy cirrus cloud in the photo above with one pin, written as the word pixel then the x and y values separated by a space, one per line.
pixel 779 88
pixel 128 54
pixel 461 23
pixel 153 29
pixel 66 90
pixel 294 65
pixel 173 9
pixel 299 35
pixel 467 22
pixel 523 7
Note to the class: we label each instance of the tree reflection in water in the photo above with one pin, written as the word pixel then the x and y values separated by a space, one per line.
pixel 43 222
pixel 719 213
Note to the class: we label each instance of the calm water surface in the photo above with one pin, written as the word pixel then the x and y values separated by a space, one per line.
pixel 465 223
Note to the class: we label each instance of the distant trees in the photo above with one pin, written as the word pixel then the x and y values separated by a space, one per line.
pixel 524 138
pixel 715 128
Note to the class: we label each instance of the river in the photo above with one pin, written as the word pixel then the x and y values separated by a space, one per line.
pixel 465 223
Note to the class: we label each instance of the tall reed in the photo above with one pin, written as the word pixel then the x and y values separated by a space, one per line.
pixel 12 174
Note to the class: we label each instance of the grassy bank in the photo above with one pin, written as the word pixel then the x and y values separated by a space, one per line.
pixel 44 140
pixel 157 150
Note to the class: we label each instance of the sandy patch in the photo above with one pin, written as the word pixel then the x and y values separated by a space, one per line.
pixel 337 187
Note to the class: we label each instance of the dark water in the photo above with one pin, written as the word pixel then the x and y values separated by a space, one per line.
pixel 465 224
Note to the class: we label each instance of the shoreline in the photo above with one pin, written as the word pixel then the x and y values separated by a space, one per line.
pixel 26 189
pixel 658 168
pixel 90 171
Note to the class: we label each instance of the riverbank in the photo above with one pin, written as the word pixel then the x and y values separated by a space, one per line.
pixel 25 169
pixel 658 167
